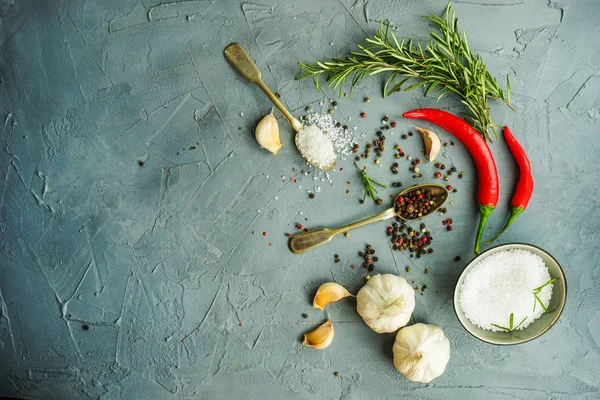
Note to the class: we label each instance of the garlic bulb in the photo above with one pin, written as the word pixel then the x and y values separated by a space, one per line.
pixel 386 302
pixel 320 338
pixel 421 352
pixel 267 134
pixel 328 293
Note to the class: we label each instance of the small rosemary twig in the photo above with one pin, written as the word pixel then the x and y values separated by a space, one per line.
pixel 538 290
pixel 510 320
pixel 368 182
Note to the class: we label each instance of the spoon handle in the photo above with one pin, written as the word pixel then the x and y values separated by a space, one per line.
pixel 309 240
pixel 241 61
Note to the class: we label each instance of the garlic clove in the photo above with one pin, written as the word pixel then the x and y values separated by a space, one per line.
pixel 432 142
pixel 320 338
pixel 329 292
pixel 267 133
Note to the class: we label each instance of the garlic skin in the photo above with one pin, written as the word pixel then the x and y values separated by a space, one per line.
pixel 386 302
pixel 421 352
pixel 320 338
pixel 329 292
pixel 432 142
pixel 267 133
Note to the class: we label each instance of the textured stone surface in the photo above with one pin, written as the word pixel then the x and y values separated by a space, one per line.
pixel 166 264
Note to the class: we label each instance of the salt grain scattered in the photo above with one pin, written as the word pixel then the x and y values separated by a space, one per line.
pixel 502 284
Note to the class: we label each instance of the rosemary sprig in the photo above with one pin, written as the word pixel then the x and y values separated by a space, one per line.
pixel 511 321
pixel 538 290
pixel 446 64
pixel 368 182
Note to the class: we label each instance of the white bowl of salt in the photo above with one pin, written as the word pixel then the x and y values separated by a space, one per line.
pixel 510 294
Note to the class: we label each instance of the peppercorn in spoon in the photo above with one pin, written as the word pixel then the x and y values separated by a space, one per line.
pixel 307 138
pixel 411 204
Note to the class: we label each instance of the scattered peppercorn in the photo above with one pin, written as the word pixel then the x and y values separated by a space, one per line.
pixel 336 373
pixel 141 163
pixel 311 195
pixel 407 268
pixel 304 316
pixel 426 270
pixel 363 114
pixel 379 202
pixel 367 99
pixel 85 327
pixel 457 258
pixel 393 124
pixel 264 233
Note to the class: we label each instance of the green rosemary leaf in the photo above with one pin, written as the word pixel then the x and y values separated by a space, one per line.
pixel 520 323
pixel 501 327
pixel 510 320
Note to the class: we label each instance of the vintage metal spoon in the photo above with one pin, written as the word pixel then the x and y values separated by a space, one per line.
pixel 309 240
pixel 241 61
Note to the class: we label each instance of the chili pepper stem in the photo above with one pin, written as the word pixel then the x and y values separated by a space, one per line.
pixel 514 213
pixel 485 211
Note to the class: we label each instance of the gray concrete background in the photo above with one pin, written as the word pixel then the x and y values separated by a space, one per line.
pixel 159 261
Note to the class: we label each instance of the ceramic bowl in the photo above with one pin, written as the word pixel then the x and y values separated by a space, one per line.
pixel 539 326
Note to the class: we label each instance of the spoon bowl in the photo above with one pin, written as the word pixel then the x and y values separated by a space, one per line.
pixel 241 61
pixel 438 193
pixel 309 240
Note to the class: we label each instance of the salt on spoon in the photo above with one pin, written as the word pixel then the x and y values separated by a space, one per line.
pixel 313 144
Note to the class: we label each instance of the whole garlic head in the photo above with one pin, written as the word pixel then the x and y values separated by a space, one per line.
pixel 421 352
pixel 386 302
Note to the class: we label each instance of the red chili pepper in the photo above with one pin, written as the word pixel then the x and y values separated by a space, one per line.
pixel 524 187
pixel 487 195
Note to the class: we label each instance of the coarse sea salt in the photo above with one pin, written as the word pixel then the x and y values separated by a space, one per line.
pixel 501 284
pixel 341 138
pixel 315 146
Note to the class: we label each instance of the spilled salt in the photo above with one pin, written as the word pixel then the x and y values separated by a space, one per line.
pixel 501 284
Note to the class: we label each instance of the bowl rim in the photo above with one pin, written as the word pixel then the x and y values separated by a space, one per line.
pixel 546 329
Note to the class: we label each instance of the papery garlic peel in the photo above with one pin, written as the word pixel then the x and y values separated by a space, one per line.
pixel 432 142
pixel 267 134
pixel 329 292
pixel 386 302
pixel 320 338
pixel 421 352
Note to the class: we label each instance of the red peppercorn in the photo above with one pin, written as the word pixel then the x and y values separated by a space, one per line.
pixel 354 150
pixel 400 199
pixel 368 260
pixel 449 187
pixel 305 229
pixel 299 226
pixel 264 233
pixel 426 203
pixel 438 174
pixel 449 227
pixel 420 196
pixel 377 142
pixel 399 241
pixel 363 114
pixel 393 124
pixel 424 239
pixel 389 229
